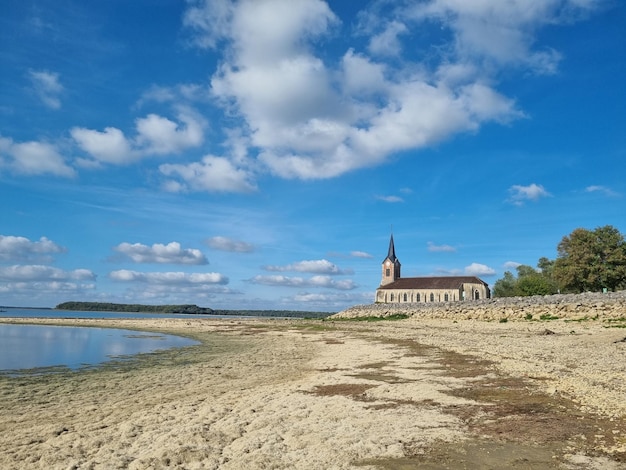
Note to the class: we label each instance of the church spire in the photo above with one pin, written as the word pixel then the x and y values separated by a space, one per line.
pixel 391 253
pixel 391 265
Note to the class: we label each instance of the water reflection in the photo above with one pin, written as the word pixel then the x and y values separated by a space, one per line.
pixel 34 346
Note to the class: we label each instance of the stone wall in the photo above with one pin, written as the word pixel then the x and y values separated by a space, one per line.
pixel 611 305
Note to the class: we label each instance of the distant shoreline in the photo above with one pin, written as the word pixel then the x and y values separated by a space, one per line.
pixel 186 309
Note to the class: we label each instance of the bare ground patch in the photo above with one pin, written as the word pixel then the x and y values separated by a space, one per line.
pixel 513 425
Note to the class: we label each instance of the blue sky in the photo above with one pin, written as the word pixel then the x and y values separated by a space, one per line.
pixel 257 153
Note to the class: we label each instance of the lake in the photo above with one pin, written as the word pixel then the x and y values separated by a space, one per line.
pixel 12 312
pixel 42 346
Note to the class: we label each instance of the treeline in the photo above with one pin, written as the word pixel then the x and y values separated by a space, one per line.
pixel 110 307
pixel 587 261
pixel 185 309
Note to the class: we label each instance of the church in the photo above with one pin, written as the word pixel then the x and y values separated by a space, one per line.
pixel 396 289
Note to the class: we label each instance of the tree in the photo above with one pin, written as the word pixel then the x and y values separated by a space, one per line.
pixel 535 284
pixel 529 281
pixel 505 287
pixel 591 260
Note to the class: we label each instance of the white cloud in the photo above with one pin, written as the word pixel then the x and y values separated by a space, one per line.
pixel 158 135
pixel 34 158
pixel 212 174
pixel 320 266
pixel 387 43
pixel 168 278
pixel 210 19
pixel 511 265
pixel 440 248
pixel 175 294
pixel 603 190
pixel 22 249
pixel 109 146
pixel 155 135
pixel 159 253
pixel 501 33
pixel 477 269
pixel 41 273
pixel 228 244
pixel 360 75
pixel 391 199
pixel 47 87
pixel 360 254
pixel 315 281
pixel 305 117
pixel 533 192
pixel 328 300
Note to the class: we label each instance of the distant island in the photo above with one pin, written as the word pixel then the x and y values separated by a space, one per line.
pixel 183 309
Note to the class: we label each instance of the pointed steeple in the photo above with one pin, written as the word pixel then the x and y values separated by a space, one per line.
pixel 391 265
pixel 391 253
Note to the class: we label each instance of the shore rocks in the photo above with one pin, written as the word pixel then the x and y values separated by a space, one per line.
pixel 590 305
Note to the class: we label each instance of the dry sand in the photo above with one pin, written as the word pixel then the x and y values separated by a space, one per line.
pixel 291 394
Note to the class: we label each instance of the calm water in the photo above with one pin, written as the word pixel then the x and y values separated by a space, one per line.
pixel 51 313
pixel 34 346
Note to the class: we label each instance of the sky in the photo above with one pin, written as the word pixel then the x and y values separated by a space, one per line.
pixel 258 154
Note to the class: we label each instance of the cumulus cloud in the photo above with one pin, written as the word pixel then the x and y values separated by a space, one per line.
pixel 228 244
pixel 307 118
pixel 108 146
pixel 158 253
pixel 32 273
pixel 47 87
pixel 388 42
pixel 34 158
pixel 440 248
pixel 328 300
pixel 33 291
pixel 158 135
pixel 22 249
pixel 315 281
pixel 295 111
pixel 155 135
pixel 520 194
pixel 168 278
pixel 501 33
pixel 212 174
pixel 477 269
pixel 320 266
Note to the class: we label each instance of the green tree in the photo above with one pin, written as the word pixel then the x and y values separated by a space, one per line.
pixel 535 284
pixel 529 281
pixel 590 260
pixel 505 287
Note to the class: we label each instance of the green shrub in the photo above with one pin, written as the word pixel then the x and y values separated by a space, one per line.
pixel 548 316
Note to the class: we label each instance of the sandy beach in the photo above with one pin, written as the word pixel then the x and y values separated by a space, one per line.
pixel 296 394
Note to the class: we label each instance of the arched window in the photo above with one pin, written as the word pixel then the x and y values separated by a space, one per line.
pixel 476 295
pixel 405 298
pixel 388 272
pixel 446 297
pixel 432 297
pixel 418 298
pixel 391 297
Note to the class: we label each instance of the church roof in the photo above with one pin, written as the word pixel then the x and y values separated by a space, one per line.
pixel 443 282
pixel 391 253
